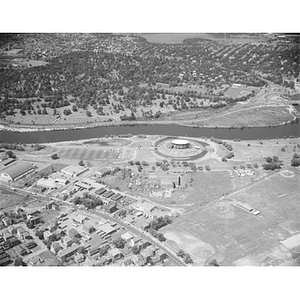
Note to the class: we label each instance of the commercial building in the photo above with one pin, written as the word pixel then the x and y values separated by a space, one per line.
pixel 180 144
pixel 74 171
pixel 16 171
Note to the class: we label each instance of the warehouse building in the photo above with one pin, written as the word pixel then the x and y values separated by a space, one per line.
pixel 74 171
pixel 16 171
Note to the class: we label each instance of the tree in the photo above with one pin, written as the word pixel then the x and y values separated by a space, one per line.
pixel 214 263
pixel 119 243
pixel 39 234
pixel 295 162
pixel 269 159
pixel 180 253
pixel 81 163
pixel 135 250
pixel 10 154
pixel 54 156
pixel 19 262
pixel 187 259
pixel 161 237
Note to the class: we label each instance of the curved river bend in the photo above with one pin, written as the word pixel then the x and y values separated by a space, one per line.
pixel 170 129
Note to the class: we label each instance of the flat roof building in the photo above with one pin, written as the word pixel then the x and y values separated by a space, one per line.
pixel 16 171
pixel 74 171
pixel 180 144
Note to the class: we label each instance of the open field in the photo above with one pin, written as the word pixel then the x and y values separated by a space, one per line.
pixel 205 187
pixel 239 91
pixel 87 153
pixel 235 235
pixel 173 38
pixel 249 117
pixel 108 142
pixel 9 200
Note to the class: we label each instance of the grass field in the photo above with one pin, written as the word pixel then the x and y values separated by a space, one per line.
pixel 9 200
pixel 236 237
pixel 235 92
pixel 87 153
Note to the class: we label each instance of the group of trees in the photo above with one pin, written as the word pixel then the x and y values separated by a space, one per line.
pixel 295 162
pixel 77 74
pixel 160 222
pixel 157 234
pixel 13 146
pixel 185 256
pixel 273 163
pixel 90 201
pixel 119 243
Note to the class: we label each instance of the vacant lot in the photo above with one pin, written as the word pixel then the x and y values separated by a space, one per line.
pixel 236 237
pixel 204 187
pixel 8 200
pixel 87 153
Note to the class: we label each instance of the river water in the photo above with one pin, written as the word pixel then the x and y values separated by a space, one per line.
pixel 169 130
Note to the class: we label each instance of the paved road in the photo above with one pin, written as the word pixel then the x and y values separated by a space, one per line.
pixel 130 228
pixel 136 231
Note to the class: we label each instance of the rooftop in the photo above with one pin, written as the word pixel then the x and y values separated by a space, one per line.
pixel 17 169
pixel 180 142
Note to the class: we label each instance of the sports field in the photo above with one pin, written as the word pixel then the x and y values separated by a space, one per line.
pixel 87 153
pixel 236 237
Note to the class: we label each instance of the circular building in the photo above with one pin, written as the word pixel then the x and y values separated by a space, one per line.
pixel 180 144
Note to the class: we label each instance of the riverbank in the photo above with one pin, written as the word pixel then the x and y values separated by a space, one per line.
pixel 194 124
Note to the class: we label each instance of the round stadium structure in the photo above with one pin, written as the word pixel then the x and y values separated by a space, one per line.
pixel 180 144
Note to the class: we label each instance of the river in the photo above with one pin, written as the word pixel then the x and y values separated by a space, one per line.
pixel 170 129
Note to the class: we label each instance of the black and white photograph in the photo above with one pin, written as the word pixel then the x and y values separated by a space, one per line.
pixel 126 148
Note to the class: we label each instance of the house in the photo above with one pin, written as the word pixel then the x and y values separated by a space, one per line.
pixel 116 197
pixel 69 251
pixel 4 258
pixel 128 263
pixel 73 233
pixel 52 205
pixel 129 219
pixel 83 186
pixel 90 261
pixel 161 254
pixel 36 260
pixel 108 194
pixel 146 255
pixel 34 221
pixel 56 247
pixel 30 245
pixel 47 234
pixel 39 189
pixel 142 223
pixel 94 244
pixel 127 236
pixel 100 191
pixel 115 253
pixel 104 260
pixel 21 251
pixel 68 241
pixel 6 221
pixel 80 218
pixel 79 258
pixel 110 208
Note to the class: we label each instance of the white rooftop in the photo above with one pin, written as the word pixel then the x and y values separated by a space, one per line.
pixel 180 142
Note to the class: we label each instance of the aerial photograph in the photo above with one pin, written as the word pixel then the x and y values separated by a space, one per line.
pixel 149 149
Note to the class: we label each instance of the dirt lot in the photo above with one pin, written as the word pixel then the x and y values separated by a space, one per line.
pixel 233 236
